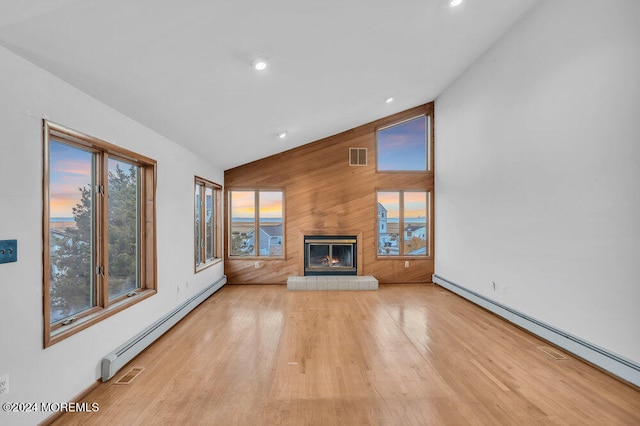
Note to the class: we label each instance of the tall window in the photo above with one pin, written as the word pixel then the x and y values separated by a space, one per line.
pixel 403 225
pixel 256 223
pixel 99 222
pixel 404 146
pixel 207 243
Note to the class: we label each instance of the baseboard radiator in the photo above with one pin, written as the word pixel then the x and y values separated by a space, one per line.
pixel 115 360
pixel 615 364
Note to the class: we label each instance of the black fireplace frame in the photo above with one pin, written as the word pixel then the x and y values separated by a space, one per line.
pixel 331 239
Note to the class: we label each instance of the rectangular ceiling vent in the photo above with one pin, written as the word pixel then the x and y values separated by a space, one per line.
pixel 357 156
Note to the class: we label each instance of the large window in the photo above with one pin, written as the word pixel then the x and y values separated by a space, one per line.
pixel 99 223
pixel 256 223
pixel 403 225
pixel 207 242
pixel 404 146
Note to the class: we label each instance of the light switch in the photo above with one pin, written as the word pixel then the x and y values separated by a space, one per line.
pixel 8 251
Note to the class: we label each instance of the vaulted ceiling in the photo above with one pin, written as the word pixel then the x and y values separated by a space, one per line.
pixel 184 67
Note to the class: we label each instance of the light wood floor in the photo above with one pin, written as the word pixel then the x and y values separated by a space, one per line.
pixel 403 355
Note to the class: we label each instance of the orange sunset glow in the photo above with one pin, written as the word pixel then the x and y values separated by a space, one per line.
pixel 243 204
pixel 415 204
pixel 70 170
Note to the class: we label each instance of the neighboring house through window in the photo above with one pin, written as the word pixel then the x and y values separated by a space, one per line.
pixel 406 211
pixel 256 223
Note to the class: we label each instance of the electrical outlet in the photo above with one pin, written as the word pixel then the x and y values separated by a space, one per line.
pixel 8 251
pixel 256 265
pixel 4 384
pixel 406 263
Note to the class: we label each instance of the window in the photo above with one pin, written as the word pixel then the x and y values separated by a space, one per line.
pixel 256 223
pixel 207 223
pixel 403 225
pixel 404 146
pixel 99 230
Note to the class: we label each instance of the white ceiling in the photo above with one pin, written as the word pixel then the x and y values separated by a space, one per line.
pixel 183 67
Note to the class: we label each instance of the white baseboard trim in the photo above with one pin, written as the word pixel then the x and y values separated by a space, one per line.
pixel 615 364
pixel 115 360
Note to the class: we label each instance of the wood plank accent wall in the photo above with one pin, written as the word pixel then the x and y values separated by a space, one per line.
pixel 323 194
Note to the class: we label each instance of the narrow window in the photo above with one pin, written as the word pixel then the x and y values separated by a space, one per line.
pixel 243 223
pixel 207 223
pixel 388 223
pixel 72 226
pixel 403 223
pixel 414 219
pixel 198 224
pixel 270 228
pixel 99 223
pixel 123 227
pixel 256 223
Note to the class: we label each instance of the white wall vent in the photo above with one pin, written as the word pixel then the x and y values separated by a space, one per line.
pixel 357 156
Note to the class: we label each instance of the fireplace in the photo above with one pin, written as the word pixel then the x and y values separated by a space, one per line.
pixel 330 255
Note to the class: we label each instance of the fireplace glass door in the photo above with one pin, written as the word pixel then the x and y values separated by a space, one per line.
pixel 330 256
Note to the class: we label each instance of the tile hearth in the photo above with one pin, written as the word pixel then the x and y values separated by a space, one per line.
pixel 332 282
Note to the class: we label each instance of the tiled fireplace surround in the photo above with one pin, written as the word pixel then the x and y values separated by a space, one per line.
pixel 332 282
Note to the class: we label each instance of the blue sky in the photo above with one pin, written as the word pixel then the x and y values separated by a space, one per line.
pixel 69 169
pixel 403 146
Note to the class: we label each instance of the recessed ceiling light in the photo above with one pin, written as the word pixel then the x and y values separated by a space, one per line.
pixel 455 3
pixel 389 99
pixel 282 135
pixel 260 64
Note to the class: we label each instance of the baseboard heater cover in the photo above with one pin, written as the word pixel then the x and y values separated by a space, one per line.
pixel 115 360
pixel 615 364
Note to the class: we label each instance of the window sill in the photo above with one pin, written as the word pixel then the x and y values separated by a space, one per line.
pixel 398 257
pixel 256 258
pixel 85 322
pixel 207 265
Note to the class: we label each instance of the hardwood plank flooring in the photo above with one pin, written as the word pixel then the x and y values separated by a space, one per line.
pixel 403 355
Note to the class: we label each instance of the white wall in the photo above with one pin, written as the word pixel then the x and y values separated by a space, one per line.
pixel 538 172
pixel 58 373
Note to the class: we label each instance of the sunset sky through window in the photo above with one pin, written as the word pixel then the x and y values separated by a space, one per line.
pixel 70 169
pixel 403 146
pixel 400 147
pixel 243 205
pixel 415 204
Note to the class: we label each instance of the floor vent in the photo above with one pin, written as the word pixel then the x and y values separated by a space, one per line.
pixel 552 353
pixel 129 376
